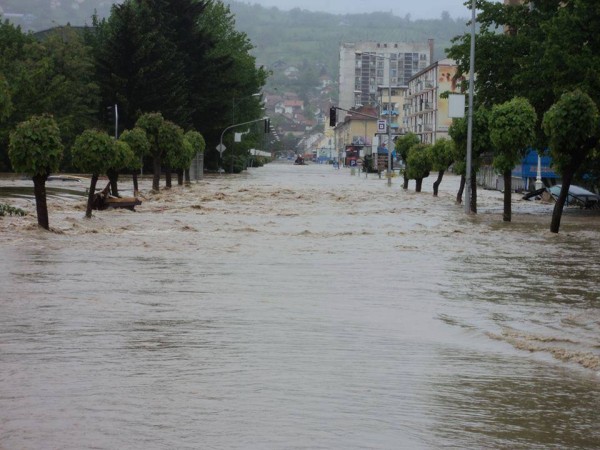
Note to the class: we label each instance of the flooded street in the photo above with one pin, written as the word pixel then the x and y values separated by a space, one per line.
pixel 299 307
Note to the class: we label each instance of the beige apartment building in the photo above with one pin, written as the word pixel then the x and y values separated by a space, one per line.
pixel 425 112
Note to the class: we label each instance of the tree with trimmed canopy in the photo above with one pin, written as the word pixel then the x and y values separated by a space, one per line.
pixel 479 145
pixel 123 159
pixel 94 152
pixel 512 132
pixel 170 140
pixel 403 145
pixel 418 164
pixel 442 156
pixel 138 143
pixel 35 148
pixel 151 123
pixel 198 144
pixel 573 128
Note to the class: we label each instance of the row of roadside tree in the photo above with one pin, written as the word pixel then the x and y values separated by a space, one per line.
pixel 537 85
pixel 174 68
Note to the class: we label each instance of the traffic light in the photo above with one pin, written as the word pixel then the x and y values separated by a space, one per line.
pixel 267 125
pixel 109 115
pixel 332 116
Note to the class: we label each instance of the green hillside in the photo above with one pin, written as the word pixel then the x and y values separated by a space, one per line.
pixel 298 36
pixel 293 37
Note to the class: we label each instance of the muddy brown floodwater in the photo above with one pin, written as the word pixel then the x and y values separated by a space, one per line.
pixel 298 307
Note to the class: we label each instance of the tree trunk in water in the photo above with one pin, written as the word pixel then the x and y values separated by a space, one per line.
pixel 39 189
pixel 418 183
pixel 461 190
pixel 136 190
pixel 156 175
pixel 507 215
pixel 168 177
pixel 560 202
pixel 179 177
pixel 474 193
pixel 90 202
pixel 186 175
pixel 405 184
pixel 113 177
pixel 436 185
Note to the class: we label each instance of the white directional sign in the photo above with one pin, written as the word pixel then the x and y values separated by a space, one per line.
pixel 221 148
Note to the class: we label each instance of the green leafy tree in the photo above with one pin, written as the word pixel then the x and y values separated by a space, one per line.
pixel 139 67
pixel 13 44
pixel 573 128
pixel 228 83
pixel 151 123
pixel 198 144
pixel 479 146
pixel 123 158
pixel 94 152
pixel 184 58
pixel 56 76
pixel 171 141
pixel 512 132
pixel 442 156
pixel 403 145
pixel 36 149
pixel 418 164
pixel 138 143
pixel 6 105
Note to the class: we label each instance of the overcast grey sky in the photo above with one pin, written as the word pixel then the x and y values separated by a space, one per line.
pixel 418 9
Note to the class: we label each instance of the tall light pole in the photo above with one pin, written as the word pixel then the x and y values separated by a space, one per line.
pixel 233 103
pixel 389 125
pixel 468 193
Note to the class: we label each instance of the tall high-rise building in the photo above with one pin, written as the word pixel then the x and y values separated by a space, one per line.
pixel 367 66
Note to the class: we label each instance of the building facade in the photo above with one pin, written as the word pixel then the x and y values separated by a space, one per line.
pixel 425 111
pixel 366 66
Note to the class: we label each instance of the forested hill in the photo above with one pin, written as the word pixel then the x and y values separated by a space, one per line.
pixel 293 37
pixel 300 36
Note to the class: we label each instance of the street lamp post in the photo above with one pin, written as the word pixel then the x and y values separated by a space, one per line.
pixel 389 127
pixel 233 103
pixel 468 193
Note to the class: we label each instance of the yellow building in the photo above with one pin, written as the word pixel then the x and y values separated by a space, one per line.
pixel 354 136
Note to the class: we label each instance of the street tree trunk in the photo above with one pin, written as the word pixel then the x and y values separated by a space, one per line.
pixel 39 189
pixel 567 178
pixel 113 178
pixel 179 177
pixel 91 193
pixel 461 190
pixel 156 173
pixel 168 177
pixel 418 184
pixel 507 215
pixel 136 190
pixel 474 193
pixel 437 182
pixel 405 184
pixel 186 175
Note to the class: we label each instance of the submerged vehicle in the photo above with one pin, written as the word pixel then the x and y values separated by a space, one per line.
pixel 577 196
pixel 299 161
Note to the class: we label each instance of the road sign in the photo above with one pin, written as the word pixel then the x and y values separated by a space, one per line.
pixel 221 148
pixel 381 125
